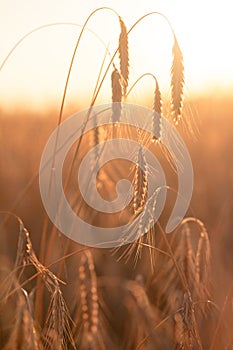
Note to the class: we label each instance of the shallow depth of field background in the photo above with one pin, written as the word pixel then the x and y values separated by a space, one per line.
pixel 24 135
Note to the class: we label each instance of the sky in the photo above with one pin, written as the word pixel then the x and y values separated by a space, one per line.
pixel 35 73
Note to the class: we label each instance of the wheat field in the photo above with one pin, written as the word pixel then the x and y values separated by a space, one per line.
pixel 160 291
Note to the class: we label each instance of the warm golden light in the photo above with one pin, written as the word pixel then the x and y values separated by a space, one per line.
pixel 36 71
pixel 115 218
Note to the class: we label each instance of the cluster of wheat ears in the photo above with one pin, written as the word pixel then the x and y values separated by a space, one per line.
pixel 163 302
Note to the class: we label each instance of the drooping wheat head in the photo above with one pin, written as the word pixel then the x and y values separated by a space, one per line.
pixel 116 96
pixel 24 334
pixel 88 333
pixel 124 56
pixel 157 109
pixel 177 82
pixel 140 182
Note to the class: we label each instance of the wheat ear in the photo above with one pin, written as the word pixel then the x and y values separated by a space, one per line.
pixel 58 314
pixel 186 255
pixel 202 268
pixel 177 81
pixel 139 307
pixel 157 106
pixel 57 326
pixel 116 96
pixel 140 183
pixel 182 332
pixel 124 56
pixel 24 334
pixel 202 259
pixel 144 225
pixel 157 115
pixel 88 299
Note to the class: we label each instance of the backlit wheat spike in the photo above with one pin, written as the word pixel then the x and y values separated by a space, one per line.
pixel 138 292
pixel 182 334
pixel 26 255
pixel 184 256
pixel 157 108
pixel 185 331
pixel 124 55
pixel 147 239
pixel 179 331
pixel 24 334
pixel 55 322
pixel 202 259
pixel 58 314
pixel 202 266
pixel 140 183
pixel 96 141
pixel 57 329
pixel 116 96
pixel 191 334
pixel 139 308
pixel 145 225
pixel 116 86
pixel 177 81
pixel 89 300
pixel 188 266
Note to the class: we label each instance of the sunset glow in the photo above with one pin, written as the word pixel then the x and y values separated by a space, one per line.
pixel 36 71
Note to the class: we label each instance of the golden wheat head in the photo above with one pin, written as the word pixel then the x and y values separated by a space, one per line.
pixel 177 81
pixel 124 56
